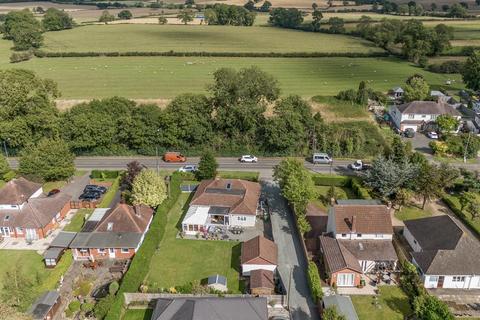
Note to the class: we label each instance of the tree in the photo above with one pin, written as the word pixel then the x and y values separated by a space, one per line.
pixel 470 203
pixel 149 189
pixel 103 306
pixel 432 180
pixel 189 3
pixel 399 151
pixel 49 159
pixel 429 307
pixel 133 170
pixel 265 7
pixel 106 17
pixel 471 71
pixel 317 16
pixel 387 177
pixel 457 11
pixel 446 123
pixel 433 7
pixel 337 25
pixel 162 20
pixel 23 28
pixel 285 18
pixel 55 20
pixel 4 166
pixel 331 313
pixel 416 89
pixel 185 16
pixel 125 15
pixel 250 5
pixel 207 167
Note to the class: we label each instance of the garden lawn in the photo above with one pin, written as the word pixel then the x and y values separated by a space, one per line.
pixel 343 110
pixel 321 199
pixel 179 38
pixel 245 175
pixel 138 314
pixel 393 305
pixel 167 77
pixel 412 212
pixel 110 194
pixel 179 261
pixel 32 267
pixel 76 224
pixel 474 223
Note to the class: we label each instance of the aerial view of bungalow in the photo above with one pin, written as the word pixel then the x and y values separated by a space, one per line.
pixel 115 233
pixel 26 212
pixel 358 241
pixel 446 256
pixel 222 203
pixel 417 114
pixel 212 308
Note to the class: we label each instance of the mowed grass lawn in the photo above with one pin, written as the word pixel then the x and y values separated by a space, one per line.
pixel 143 37
pixel 167 77
pixel 30 265
pixel 392 305
pixel 180 261
pixel 138 314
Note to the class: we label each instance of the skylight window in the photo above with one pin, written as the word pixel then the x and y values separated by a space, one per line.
pixel 110 226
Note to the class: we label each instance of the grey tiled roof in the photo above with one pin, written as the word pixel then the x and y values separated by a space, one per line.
pixel 63 239
pixel 43 304
pixel 434 233
pixel 343 304
pixel 372 250
pixel 106 240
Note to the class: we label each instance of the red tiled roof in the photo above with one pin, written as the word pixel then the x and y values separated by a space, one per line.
pixel 362 219
pixel 17 191
pixel 241 198
pixel 126 218
pixel 261 279
pixel 259 250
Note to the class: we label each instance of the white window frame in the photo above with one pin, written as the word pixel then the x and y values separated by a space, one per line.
pixel 124 250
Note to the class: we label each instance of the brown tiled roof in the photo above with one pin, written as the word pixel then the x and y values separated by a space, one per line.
pixel 261 279
pixel 126 218
pixel 17 191
pixel 372 250
pixel 362 219
pixel 336 256
pixel 36 213
pixel 241 198
pixel 259 250
pixel 427 107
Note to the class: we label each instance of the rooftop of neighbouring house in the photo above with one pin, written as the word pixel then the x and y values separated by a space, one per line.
pixel 17 191
pixel 259 250
pixel 238 196
pixel 428 107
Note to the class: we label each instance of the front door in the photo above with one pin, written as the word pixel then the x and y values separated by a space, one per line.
pixel 31 234
pixel 111 253
pixel 5 231
pixel 345 279
pixel 441 279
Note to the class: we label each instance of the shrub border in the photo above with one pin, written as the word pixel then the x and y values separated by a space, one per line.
pixel 448 201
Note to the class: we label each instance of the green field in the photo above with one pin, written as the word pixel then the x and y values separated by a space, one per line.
pixel 141 37
pixel 166 77
pixel 178 261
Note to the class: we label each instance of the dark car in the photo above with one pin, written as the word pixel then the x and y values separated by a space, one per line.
pixel 90 195
pixel 409 133
pixel 95 188
pixel 53 192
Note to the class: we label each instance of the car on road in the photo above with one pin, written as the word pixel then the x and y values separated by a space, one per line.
pixel 432 135
pixel 248 158
pixel 174 157
pixel 324 158
pixel 409 133
pixel 359 165
pixel 188 168
pixel 53 192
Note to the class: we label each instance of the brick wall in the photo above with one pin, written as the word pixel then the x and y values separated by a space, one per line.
pixel 358 277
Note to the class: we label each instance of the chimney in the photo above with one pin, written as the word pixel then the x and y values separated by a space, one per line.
pixel 354 224
pixel 136 210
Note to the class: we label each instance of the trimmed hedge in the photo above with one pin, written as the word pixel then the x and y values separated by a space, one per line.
pixel 105 174
pixel 314 282
pixel 138 270
pixel 44 54
pixel 454 205
pixel 360 191
pixel 355 183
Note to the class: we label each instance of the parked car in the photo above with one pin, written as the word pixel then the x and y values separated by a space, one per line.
pixel 90 196
pixel 53 192
pixel 432 135
pixel 359 165
pixel 95 188
pixel 174 157
pixel 409 133
pixel 321 158
pixel 188 168
pixel 248 158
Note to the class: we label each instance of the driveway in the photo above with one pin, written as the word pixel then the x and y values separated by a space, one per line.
pixel 420 144
pixel 76 186
pixel 291 261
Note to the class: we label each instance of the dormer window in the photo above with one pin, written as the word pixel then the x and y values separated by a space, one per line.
pixel 110 226
pixel 6 218
pixel 229 186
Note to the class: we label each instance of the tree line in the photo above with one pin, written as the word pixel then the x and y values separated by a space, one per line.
pixel 230 120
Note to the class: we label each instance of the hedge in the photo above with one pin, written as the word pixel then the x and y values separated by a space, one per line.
pixel 105 174
pixel 354 183
pixel 44 54
pixel 314 282
pixel 139 267
pixel 454 205
pixel 360 191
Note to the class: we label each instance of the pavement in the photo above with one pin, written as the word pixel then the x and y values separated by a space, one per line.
pixel 292 264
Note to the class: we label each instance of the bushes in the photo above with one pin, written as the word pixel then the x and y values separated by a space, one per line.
pixel 314 281
pixel 20 56
pixel 452 66
pixel 454 205
pixel 359 190
pixel 139 267
pixel 331 180
pixel 105 174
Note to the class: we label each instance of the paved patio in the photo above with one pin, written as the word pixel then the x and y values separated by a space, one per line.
pixel 38 245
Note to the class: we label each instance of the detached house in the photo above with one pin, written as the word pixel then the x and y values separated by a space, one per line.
pixel 445 255
pixel 416 114
pixel 222 203
pixel 115 233
pixel 359 240
pixel 25 212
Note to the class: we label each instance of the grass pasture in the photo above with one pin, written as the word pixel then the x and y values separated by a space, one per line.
pixel 158 38
pixel 166 77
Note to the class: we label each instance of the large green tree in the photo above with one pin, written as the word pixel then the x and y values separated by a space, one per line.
pixel 429 307
pixel 55 20
pixel 416 89
pixel 471 71
pixel 148 188
pixel 433 179
pixel 207 167
pixel 23 29
pixel 186 16
pixel 4 166
pixel 49 159
pixel 285 18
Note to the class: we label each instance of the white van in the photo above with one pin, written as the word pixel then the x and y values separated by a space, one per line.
pixel 321 158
